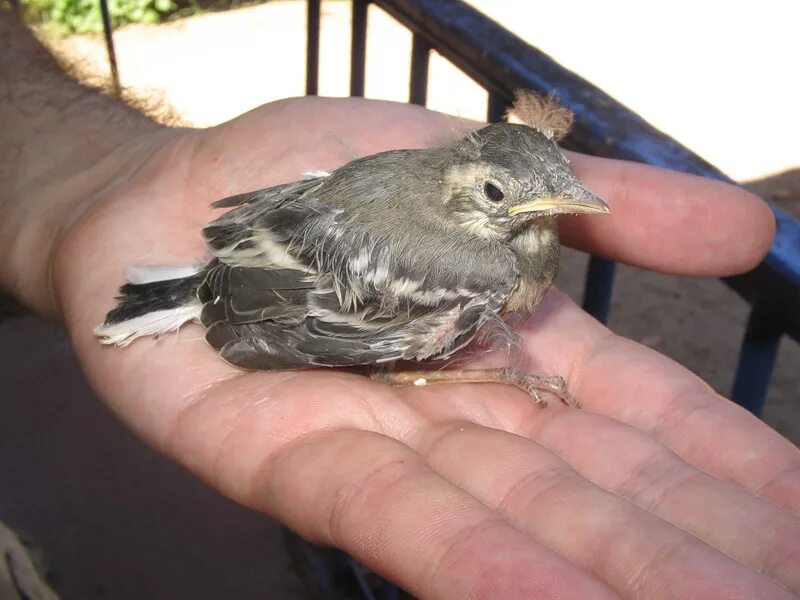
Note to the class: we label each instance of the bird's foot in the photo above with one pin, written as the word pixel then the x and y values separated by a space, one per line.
pixel 534 385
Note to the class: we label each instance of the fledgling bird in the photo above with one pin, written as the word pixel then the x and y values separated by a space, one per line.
pixel 402 255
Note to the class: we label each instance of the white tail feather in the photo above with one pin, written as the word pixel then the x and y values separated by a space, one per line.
pixel 140 274
pixel 154 323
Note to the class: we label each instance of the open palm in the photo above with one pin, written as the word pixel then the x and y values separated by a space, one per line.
pixel 658 488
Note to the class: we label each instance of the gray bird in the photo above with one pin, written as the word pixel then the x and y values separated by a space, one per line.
pixel 401 256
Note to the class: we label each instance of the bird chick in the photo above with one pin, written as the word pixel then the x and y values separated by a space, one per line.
pixel 402 255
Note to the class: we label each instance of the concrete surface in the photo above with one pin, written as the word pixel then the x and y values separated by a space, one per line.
pixel 716 76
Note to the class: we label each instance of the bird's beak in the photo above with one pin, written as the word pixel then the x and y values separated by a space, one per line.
pixel 575 200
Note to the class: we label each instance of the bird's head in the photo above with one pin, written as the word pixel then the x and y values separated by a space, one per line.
pixel 508 176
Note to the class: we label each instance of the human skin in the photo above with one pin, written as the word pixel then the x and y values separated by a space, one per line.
pixel 658 488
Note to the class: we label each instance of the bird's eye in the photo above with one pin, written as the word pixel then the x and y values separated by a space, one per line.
pixel 493 192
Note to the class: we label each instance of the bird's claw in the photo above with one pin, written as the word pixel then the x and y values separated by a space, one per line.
pixel 534 385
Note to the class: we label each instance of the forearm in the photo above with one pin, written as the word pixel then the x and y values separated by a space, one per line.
pixel 61 145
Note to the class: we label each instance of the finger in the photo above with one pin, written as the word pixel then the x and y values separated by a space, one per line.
pixel 333 135
pixel 373 497
pixel 636 385
pixel 636 467
pixel 668 221
pixel 638 554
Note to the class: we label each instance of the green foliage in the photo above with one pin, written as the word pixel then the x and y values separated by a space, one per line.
pixel 84 16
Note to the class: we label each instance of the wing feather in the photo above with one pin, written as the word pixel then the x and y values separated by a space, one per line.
pixel 296 284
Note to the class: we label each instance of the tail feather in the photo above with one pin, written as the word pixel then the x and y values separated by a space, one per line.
pixel 153 323
pixel 151 308
pixel 140 274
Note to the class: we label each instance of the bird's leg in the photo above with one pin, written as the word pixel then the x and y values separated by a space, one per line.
pixel 533 384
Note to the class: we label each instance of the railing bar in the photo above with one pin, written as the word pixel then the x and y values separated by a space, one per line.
pixel 359 577
pixel 497 107
pixel 390 591
pixel 757 358
pixel 112 55
pixel 312 47
pixel 358 58
pixel 420 59
pixel 598 288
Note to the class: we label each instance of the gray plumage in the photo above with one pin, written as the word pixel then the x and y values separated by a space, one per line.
pixel 400 255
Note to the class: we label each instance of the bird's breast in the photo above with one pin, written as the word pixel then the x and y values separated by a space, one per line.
pixel 537 251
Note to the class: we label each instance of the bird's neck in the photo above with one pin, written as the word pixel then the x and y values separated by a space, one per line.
pixel 537 251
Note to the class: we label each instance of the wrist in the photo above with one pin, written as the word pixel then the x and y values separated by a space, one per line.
pixel 62 145
pixel 37 213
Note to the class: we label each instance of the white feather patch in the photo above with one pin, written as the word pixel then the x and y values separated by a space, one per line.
pixel 140 274
pixel 404 286
pixel 264 250
pixel 154 323
pixel 313 174
pixel 361 261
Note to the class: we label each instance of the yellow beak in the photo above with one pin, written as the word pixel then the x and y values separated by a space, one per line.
pixel 583 202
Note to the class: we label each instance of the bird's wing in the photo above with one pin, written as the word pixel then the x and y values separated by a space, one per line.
pixel 261 226
pixel 296 284
pixel 336 342
pixel 269 318
pixel 254 275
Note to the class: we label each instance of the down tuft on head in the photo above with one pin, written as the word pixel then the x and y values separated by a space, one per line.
pixel 544 114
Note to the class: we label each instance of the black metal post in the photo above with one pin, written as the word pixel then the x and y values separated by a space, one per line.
pixel 358 48
pixel 312 47
pixel 497 107
pixel 598 288
pixel 361 582
pixel 420 58
pixel 112 55
pixel 757 358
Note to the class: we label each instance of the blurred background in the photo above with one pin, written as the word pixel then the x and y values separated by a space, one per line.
pixel 115 520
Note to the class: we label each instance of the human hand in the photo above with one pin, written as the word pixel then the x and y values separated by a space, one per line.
pixel 658 488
